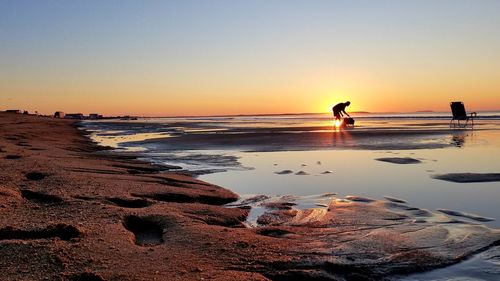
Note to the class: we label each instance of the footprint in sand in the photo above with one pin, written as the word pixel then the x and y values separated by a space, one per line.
pixel 40 197
pixel 129 202
pixel 147 230
pixel 35 176
pixel 13 157
pixel 62 231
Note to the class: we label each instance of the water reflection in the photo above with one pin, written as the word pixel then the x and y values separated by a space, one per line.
pixel 341 137
pixel 458 140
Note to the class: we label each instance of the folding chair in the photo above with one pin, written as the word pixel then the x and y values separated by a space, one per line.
pixel 460 117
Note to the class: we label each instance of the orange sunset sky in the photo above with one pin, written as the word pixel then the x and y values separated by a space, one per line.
pixel 161 58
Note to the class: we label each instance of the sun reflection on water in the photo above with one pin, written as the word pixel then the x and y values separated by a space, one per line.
pixel 338 123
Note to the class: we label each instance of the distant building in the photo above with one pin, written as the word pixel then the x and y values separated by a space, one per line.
pixel 128 117
pixel 13 111
pixel 94 116
pixel 73 116
pixel 59 114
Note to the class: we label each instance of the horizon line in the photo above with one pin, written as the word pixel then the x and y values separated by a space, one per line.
pixel 291 113
pixel 260 114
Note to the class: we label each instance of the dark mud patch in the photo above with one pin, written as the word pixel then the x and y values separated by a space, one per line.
pixel 40 197
pixel 174 183
pixel 466 215
pixel 359 199
pixel 145 169
pixel 284 172
pixel 184 198
pixel 130 202
pixel 35 176
pixel 84 197
pixel 13 157
pixel 395 200
pixel 86 276
pixel 421 212
pixel 24 144
pixel 147 231
pixel 62 231
pixel 94 171
pixel 179 182
pixel 469 177
pixel 399 160
pixel 273 232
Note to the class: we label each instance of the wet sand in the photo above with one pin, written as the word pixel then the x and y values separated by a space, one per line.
pixel 280 139
pixel 73 211
pixel 70 211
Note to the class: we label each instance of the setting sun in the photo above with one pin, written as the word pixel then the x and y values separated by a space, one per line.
pixel 338 123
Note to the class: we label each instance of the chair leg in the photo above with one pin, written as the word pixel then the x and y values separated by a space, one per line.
pixel 463 125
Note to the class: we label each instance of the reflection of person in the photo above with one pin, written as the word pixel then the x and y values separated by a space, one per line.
pixel 339 110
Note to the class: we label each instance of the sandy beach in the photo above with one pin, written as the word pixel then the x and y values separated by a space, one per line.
pixel 72 211
pixel 249 140
pixel 69 214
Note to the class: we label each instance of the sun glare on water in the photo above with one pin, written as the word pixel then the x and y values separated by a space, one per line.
pixel 338 123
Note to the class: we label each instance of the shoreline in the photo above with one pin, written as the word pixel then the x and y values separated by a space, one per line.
pixel 257 136
pixel 80 214
pixel 42 199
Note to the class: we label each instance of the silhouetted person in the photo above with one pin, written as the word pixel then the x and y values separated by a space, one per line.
pixel 339 110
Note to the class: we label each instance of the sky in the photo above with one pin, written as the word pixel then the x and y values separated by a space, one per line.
pixel 164 58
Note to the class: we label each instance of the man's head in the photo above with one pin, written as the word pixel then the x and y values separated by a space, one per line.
pixel 347 103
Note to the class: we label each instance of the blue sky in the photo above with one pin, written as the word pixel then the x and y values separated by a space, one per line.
pixel 236 56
